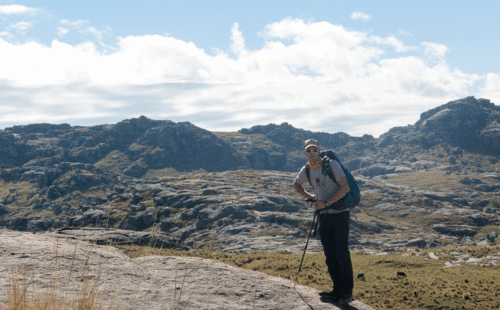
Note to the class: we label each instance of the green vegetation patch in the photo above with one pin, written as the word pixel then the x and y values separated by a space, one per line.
pixel 161 173
pixel 114 164
pixel 435 181
pixel 256 140
pixel 485 230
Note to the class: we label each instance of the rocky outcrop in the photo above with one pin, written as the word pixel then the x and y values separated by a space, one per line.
pixel 244 210
pixel 148 144
pixel 468 123
pixel 151 282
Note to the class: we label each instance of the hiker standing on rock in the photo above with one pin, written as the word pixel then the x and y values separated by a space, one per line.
pixel 333 218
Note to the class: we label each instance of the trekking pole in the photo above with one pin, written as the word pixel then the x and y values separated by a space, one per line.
pixel 308 237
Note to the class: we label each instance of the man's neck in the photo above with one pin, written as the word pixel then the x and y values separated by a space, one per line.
pixel 315 160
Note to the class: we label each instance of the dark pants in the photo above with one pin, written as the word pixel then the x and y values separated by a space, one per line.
pixel 334 233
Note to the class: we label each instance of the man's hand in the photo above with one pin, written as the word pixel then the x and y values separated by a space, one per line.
pixel 299 189
pixel 318 205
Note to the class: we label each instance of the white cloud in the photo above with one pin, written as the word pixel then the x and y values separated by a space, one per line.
pixel 404 32
pixel 5 34
pixel 325 78
pixel 21 26
pixel 13 9
pixel 491 88
pixel 398 45
pixel 76 23
pixel 82 27
pixel 360 16
pixel 434 50
pixel 61 31
pixel 238 42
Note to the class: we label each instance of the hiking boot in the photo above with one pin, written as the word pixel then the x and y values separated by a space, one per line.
pixel 344 300
pixel 330 294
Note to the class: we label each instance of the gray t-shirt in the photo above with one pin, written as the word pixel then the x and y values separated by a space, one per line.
pixel 324 187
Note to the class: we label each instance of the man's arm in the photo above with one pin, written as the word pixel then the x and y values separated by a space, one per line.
pixel 300 189
pixel 341 192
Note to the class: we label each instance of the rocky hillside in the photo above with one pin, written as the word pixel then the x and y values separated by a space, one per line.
pixel 146 144
pixel 469 124
pixel 136 146
pixel 433 183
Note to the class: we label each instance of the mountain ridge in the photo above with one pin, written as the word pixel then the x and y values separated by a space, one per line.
pixel 468 123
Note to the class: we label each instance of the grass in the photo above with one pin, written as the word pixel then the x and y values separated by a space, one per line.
pixel 484 230
pixel 116 165
pixel 257 140
pixel 435 181
pixel 23 293
pixel 161 173
pixel 427 285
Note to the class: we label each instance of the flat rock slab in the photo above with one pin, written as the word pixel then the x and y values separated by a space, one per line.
pixel 103 236
pixel 152 282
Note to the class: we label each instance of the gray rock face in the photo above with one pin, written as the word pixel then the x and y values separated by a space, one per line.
pixel 465 124
pixel 206 284
pixel 461 119
pixel 378 169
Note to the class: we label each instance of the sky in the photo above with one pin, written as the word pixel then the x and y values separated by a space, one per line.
pixel 360 67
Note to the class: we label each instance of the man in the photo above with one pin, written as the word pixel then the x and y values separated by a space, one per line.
pixel 333 219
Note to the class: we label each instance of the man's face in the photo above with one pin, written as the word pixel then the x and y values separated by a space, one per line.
pixel 311 153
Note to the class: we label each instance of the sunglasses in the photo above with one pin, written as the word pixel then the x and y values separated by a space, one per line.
pixel 311 150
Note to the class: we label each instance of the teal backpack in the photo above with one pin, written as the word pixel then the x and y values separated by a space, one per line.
pixel 351 199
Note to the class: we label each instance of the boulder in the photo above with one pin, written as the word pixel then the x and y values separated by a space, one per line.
pixel 359 163
pixel 379 169
pixel 134 222
pixel 19 223
pixel 232 212
pixel 485 187
pixel 421 243
pixel 455 230
pixel 3 210
pixel 439 196
pixel 492 235
pixel 43 224
pixel 53 193
pixel 479 219
pixel 136 170
pixel 452 159
pixel 136 198
pixel 209 191
pixel 92 216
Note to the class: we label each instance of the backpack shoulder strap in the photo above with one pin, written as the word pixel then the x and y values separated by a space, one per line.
pixel 307 174
pixel 327 169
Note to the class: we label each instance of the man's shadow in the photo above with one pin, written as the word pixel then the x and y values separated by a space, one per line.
pixel 337 304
